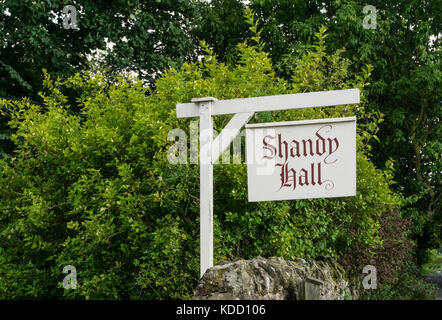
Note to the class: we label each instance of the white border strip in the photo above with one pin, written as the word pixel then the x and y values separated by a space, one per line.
pixel 299 122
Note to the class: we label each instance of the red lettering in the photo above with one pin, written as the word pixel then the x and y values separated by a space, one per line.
pixel 269 147
pixel 296 144
pixel 304 174
pixel 288 177
pixel 304 145
pixel 330 149
pixel 280 142
pixel 319 140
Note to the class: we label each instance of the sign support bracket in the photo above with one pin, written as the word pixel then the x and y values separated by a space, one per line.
pixel 243 109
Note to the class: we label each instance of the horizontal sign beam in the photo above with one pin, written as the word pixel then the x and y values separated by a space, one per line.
pixel 273 103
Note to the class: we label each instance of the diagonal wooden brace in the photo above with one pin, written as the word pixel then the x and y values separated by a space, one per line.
pixel 230 131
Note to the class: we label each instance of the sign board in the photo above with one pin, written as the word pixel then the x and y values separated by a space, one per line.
pixel 301 159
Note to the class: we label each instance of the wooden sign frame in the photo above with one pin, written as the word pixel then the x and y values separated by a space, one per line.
pixel 243 109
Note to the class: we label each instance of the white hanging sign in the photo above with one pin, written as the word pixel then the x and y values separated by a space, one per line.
pixel 301 159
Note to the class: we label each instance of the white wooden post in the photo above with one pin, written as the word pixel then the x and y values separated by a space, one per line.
pixel 206 183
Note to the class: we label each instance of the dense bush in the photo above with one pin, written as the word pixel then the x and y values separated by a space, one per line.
pixel 408 285
pixel 90 185
pixel 389 259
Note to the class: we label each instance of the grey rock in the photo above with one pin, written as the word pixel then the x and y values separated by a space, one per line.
pixel 274 279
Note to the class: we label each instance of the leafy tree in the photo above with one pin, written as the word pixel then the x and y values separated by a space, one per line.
pixel 94 189
pixel 222 27
pixel 147 37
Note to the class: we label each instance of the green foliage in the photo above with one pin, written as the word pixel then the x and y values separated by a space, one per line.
pixel 434 263
pixel 91 187
pixel 403 51
pixel 410 286
pixel 147 37
pixel 389 259
pixel 222 26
